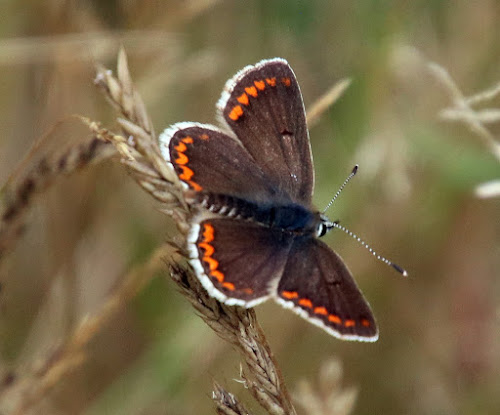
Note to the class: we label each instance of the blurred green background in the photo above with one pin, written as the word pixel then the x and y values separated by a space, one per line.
pixel 413 199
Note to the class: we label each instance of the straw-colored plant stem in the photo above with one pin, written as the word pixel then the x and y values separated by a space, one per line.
pixel 35 176
pixel 462 110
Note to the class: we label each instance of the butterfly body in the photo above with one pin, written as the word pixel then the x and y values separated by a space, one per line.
pixel 256 235
pixel 289 217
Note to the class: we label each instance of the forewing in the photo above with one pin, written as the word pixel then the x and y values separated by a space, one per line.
pixel 206 159
pixel 318 286
pixel 238 262
pixel 263 105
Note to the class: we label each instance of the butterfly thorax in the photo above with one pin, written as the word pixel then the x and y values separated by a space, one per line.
pixel 288 217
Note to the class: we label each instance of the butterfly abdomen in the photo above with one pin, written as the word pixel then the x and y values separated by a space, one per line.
pixel 289 217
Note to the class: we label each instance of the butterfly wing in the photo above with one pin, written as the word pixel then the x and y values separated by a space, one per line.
pixel 238 262
pixel 317 285
pixel 263 105
pixel 206 159
pixel 268 161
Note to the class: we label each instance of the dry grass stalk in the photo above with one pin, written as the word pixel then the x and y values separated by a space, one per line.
pixel 462 110
pixel 137 144
pixel 239 326
pixel 35 174
pixel 227 403
pixel 326 101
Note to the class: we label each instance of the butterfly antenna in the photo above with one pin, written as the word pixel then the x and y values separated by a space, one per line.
pixel 336 224
pixel 353 173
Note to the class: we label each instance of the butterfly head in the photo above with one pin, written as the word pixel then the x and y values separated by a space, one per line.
pixel 324 225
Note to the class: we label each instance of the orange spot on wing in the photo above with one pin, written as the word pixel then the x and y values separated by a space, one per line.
pixel 349 323
pixel 321 310
pixel 236 112
pixel 204 136
pixel 212 263
pixel 186 174
pixel 334 319
pixel 290 295
pixel 261 85
pixel 209 249
pixel 213 271
pixel 195 186
pixel 271 81
pixel 181 158
pixel 243 99
pixel 286 81
pixel 181 162
pixel 365 322
pixel 181 147
pixel 252 91
pixel 208 233
pixel 219 276
pixel 304 302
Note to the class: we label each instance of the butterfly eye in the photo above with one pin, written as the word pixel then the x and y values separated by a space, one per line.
pixel 324 225
pixel 321 229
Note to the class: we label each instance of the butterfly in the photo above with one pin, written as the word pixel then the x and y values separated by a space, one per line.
pixel 256 235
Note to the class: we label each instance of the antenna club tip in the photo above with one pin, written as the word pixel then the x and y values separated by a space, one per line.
pixel 402 271
pixel 355 169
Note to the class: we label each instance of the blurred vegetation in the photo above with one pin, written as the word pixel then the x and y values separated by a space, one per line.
pixel 413 199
